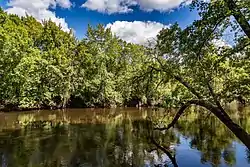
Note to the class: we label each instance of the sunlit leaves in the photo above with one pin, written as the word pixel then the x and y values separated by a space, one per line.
pixel 200 56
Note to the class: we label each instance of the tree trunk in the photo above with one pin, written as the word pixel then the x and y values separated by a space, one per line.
pixel 239 17
pixel 222 115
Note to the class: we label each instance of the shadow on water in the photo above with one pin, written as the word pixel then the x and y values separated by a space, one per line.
pixel 119 137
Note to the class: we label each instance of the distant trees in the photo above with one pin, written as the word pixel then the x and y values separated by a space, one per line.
pixel 42 66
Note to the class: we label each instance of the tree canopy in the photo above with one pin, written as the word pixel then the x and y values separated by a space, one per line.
pixel 211 73
pixel 44 67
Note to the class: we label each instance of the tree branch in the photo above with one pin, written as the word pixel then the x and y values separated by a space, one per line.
pixel 232 51
pixel 172 159
pixel 215 98
pixel 239 17
pixel 177 116
pixel 207 38
pixel 188 86
pixel 151 138
pixel 221 114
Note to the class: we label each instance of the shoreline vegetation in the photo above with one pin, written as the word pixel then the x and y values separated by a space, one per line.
pixel 44 67
pixel 236 105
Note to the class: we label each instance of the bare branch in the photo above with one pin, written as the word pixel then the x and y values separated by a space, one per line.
pixel 177 116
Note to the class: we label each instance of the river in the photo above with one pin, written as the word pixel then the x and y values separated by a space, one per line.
pixel 119 137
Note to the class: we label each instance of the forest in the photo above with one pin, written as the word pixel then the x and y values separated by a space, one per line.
pixel 45 67
pixel 41 66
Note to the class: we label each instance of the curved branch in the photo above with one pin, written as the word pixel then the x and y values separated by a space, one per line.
pixel 150 136
pixel 177 116
pixel 187 85
pixel 172 158
pixel 221 114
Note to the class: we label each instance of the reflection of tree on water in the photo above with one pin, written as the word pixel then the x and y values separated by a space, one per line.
pixel 248 155
pixel 209 136
pixel 119 142
pixel 229 155
pixel 116 139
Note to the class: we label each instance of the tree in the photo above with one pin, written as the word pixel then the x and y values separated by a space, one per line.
pixel 35 63
pixel 192 58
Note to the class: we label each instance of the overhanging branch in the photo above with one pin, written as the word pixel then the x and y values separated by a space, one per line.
pixel 188 86
pixel 221 114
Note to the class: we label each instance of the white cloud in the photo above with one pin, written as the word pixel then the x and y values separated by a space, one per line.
pixel 220 43
pixel 161 5
pixel 109 6
pixel 125 6
pixel 64 3
pixel 137 32
pixel 39 9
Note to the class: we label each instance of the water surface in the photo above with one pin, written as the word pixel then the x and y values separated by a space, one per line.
pixel 118 137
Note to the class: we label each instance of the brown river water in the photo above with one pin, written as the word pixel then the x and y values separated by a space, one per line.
pixel 119 138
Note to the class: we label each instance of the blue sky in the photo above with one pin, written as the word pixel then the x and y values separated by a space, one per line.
pixel 131 20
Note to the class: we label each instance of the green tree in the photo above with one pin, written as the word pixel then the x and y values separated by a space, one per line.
pixel 192 58
pixel 35 63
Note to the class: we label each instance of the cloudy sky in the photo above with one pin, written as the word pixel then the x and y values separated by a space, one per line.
pixel 132 20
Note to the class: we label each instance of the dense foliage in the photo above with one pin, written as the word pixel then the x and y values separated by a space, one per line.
pixel 200 59
pixel 42 66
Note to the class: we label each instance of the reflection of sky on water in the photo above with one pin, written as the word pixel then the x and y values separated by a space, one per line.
pixel 158 160
pixel 188 157
pixel 185 156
